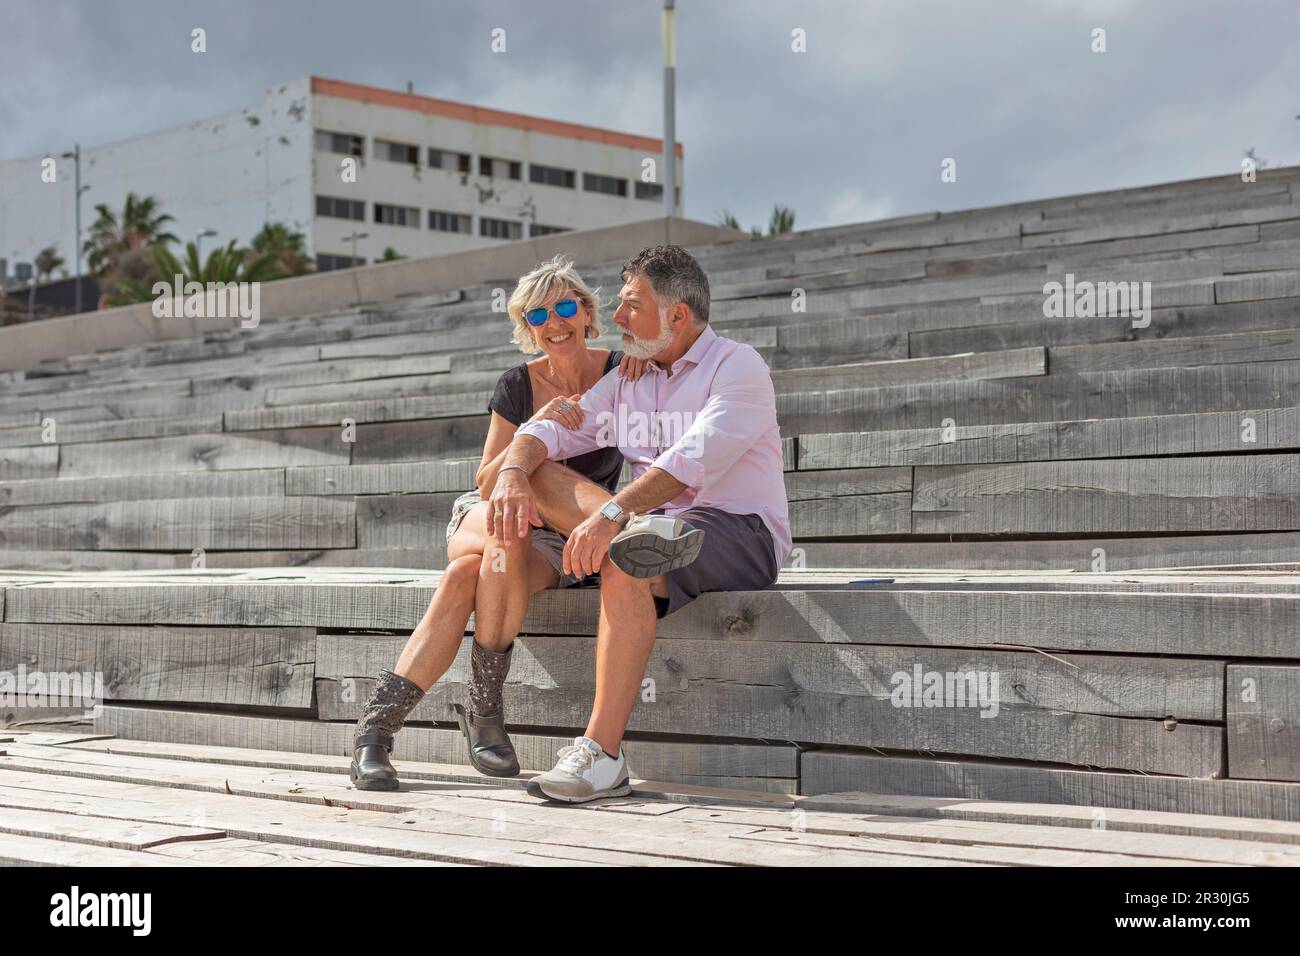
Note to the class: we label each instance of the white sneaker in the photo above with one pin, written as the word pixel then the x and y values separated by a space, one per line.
pixel 650 545
pixel 583 772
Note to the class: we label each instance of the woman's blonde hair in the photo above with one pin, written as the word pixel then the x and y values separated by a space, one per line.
pixel 553 279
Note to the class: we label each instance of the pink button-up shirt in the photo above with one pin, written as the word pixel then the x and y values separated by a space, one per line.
pixel 711 425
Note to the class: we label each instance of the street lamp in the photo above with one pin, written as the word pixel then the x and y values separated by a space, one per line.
pixel 198 244
pixel 75 156
pixel 354 237
pixel 670 110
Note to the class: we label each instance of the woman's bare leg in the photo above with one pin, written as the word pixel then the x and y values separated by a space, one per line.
pixel 512 571
pixel 436 639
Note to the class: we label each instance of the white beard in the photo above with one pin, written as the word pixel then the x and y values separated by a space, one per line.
pixel 649 348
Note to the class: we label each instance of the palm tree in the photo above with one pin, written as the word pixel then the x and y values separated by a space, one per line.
pixel 782 221
pixel 113 237
pixel 728 220
pixel 285 247
pixel 228 263
pixel 46 261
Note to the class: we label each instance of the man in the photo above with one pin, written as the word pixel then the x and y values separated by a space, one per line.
pixel 700 433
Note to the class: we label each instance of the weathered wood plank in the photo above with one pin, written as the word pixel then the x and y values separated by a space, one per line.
pixel 1264 721
pixel 247 814
pixel 403 521
pixel 36 434
pixel 29 462
pixel 242 483
pixel 334 413
pixel 1011 335
pixel 446 438
pixel 268 449
pixel 1232 348
pixel 1129 394
pixel 812 485
pixel 1248 430
pixel 183 524
pixel 1239 493
pixel 253 667
pixel 1014 363
pixel 1186 624
pixel 379 479
pixel 838 695
pixel 770 768
pixel 1087 554
pixel 98 830
pixel 824 772
pixel 38 851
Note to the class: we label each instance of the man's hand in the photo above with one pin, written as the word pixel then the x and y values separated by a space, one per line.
pixel 511 506
pixel 586 548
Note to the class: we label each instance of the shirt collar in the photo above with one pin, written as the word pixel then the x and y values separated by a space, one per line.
pixel 703 342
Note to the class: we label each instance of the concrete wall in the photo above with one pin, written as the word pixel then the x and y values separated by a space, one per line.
pixel 24 346
pixel 232 173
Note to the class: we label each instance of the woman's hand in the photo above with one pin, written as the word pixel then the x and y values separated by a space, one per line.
pixel 631 368
pixel 566 411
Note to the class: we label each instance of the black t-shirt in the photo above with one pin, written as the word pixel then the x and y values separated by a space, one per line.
pixel 513 401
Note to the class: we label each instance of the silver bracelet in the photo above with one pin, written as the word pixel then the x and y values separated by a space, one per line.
pixel 508 467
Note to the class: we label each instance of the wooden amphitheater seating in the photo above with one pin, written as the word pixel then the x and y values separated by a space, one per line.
pixel 239 530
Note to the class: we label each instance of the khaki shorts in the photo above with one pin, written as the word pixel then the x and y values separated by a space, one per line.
pixel 548 542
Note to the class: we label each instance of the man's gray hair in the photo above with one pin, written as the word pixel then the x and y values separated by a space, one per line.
pixel 675 276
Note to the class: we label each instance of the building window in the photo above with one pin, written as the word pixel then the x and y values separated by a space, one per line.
pixel 649 190
pixel 345 144
pixel 500 228
pixel 505 168
pixel 337 208
pixel 397 152
pixel 397 215
pixel 449 160
pixel 448 221
pixel 537 229
pixel 551 175
pixel 326 262
pixel 609 185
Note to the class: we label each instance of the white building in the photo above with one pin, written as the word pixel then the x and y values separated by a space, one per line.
pixel 330 159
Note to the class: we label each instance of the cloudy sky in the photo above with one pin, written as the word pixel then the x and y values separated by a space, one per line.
pixel 855 128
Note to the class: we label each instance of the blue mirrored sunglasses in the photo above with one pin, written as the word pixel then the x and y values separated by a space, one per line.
pixel 565 309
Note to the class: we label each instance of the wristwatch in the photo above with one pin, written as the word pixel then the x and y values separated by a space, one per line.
pixel 614 512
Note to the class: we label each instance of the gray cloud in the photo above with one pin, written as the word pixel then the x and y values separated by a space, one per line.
pixel 853 129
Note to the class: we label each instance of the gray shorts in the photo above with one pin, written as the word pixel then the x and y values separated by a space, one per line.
pixel 548 542
pixel 737 555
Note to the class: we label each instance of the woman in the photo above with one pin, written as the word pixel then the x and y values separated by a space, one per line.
pixel 554 312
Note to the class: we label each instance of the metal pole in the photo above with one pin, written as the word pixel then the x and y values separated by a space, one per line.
pixel 670 119
pixel 76 160
pixel 354 237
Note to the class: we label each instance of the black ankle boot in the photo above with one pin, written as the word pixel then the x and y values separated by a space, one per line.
pixel 484 723
pixel 392 700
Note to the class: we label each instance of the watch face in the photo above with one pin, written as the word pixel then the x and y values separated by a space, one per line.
pixel 611 510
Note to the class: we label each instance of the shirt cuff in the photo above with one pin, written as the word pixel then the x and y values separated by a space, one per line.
pixel 689 471
pixel 545 432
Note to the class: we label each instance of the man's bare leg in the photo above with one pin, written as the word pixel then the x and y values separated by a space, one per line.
pixel 626 632
pixel 565 498
pixel 623 643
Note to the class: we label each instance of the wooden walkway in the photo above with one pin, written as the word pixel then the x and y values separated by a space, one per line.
pixel 80 799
